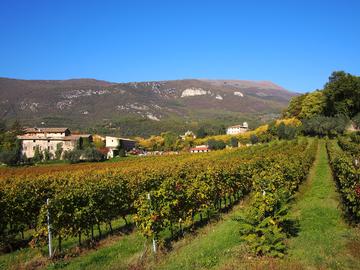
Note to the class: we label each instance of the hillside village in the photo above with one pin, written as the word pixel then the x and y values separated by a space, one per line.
pixel 57 142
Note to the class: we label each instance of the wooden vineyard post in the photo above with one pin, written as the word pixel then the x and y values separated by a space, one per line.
pixel 49 228
pixel 154 239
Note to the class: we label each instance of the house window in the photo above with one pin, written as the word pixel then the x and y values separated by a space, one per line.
pixel 48 140
pixel 25 148
pixel 34 140
pixel 48 147
pixel 34 148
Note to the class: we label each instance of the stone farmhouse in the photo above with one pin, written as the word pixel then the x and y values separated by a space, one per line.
pixel 238 129
pixel 49 138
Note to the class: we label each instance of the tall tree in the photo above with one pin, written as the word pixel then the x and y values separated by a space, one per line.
pixel 169 140
pixel 295 106
pixel 313 104
pixel 342 94
pixel 201 133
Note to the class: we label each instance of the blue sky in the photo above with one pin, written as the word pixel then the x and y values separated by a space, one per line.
pixel 296 44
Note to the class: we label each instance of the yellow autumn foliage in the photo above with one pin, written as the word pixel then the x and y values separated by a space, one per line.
pixel 151 143
pixel 289 122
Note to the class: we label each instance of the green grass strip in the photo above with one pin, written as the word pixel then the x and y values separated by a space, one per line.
pixel 114 255
pixel 324 236
pixel 212 245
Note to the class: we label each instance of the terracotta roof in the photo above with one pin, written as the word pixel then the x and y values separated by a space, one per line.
pixel 48 130
pixel 64 138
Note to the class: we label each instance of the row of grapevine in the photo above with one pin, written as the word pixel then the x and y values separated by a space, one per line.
pixel 265 224
pixel 178 198
pixel 81 200
pixel 349 146
pixel 347 177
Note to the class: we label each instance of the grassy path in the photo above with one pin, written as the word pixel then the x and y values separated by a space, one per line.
pixel 323 240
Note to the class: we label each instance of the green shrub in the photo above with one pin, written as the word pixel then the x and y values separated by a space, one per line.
pixel 47 155
pixel 73 156
pixel 216 144
pixel 58 151
pixel 92 154
pixel 262 228
pixel 325 126
pixel 254 139
pixel 38 155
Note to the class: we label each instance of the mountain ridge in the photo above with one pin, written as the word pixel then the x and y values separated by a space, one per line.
pixel 85 102
pixel 105 82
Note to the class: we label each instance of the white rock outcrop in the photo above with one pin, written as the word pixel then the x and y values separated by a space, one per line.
pixel 191 92
pixel 65 104
pixel 152 117
pixel 84 93
pixel 33 106
pixel 219 97
pixel 239 94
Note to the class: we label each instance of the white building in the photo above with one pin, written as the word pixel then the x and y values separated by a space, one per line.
pixel 188 134
pixel 200 149
pixel 113 143
pixel 238 129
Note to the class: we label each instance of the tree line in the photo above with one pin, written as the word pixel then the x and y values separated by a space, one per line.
pixel 327 112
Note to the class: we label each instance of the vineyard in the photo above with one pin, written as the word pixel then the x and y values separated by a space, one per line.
pixel 167 196
pixel 344 161
pixel 180 188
